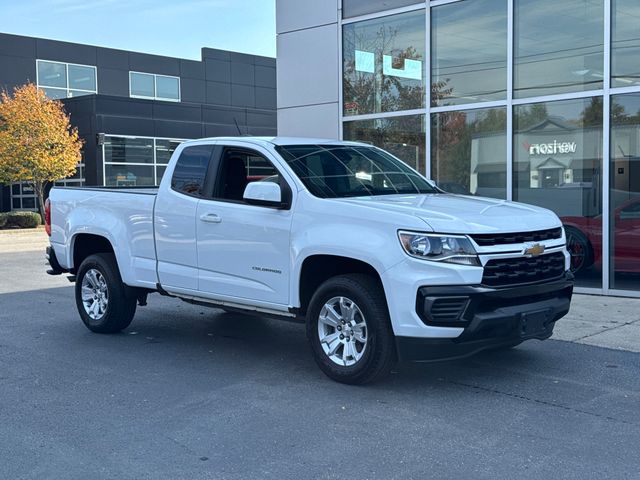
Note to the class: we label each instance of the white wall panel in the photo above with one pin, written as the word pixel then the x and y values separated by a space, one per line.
pixel 310 121
pixel 300 14
pixel 307 64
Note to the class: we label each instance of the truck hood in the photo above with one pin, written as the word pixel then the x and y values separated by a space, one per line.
pixel 448 213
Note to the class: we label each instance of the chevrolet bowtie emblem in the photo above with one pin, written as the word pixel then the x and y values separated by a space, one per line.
pixel 533 250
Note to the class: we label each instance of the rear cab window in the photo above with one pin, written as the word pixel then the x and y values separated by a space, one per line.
pixel 190 173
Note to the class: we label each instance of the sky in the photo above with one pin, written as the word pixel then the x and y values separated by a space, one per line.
pixel 178 28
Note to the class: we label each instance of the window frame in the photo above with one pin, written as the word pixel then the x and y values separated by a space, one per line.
pixel 155 87
pixel 66 89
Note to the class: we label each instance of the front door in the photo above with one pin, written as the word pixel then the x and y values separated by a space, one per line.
pixel 243 250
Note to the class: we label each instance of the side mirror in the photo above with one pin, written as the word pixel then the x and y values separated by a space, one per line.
pixel 267 194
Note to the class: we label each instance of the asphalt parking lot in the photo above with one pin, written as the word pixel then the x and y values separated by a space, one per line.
pixel 188 392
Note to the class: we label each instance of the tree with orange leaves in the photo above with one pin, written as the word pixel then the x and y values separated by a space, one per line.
pixel 37 143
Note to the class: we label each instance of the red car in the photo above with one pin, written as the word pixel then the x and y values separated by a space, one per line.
pixel 584 239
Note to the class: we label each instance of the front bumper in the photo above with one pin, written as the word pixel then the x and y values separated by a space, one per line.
pixel 491 318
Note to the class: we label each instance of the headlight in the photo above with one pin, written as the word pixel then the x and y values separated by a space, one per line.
pixel 440 248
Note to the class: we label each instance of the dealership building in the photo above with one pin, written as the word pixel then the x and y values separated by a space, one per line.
pixel 132 109
pixel 535 101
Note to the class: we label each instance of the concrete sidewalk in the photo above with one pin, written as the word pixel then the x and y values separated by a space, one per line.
pixel 610 322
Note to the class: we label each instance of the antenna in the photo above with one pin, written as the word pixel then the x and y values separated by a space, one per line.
pixel 239 130
pixel 237 126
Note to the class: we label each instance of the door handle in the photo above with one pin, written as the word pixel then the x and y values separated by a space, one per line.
pixel 210 218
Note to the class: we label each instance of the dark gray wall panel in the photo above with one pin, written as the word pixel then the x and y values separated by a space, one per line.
pixel 216 54
pixel 112 58
pixel 124 106
pixel 218 93
pixel 224 115
pixel 243 73
pixel 242 58
pixel 177 111
pixel 243 96
pixel 126 125
pixel 218 71
pixel 17 70
pixel 141 62
pixel 266 98
pixel 192 90
pixel 265 61
pixel 113 82
pixel 261 119
pixel 66 52
pixel 217 130
pixel 192 69
pixel 17 46
pixel 167 128
pixel 265 76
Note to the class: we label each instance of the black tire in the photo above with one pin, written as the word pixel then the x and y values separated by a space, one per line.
pixel 580 249
pixel 121 306
pixel 379 356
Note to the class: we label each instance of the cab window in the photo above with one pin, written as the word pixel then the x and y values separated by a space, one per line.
pixel 238 168
pixel 191 170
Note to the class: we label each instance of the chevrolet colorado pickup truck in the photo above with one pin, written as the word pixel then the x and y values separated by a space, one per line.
pixel 380 263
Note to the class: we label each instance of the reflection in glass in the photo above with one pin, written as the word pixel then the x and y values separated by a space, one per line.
pixel 625 43
pixel 469 52
pixel 128 150
pixel 82 78
pixel 624 236
pixel 160 169
pixel 165 148
pixel 354 8
pixel 469 154
pixel 558 46
pixel 403 137
pixel 142 84
pixel 557 152
pixel 55 93
pixel 129 175
pixel 384 64
pixel 167 87
pixel 52 74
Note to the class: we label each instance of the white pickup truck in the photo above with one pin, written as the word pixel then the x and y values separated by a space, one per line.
pixel 380 263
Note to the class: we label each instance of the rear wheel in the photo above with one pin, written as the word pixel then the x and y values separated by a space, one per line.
pixel 349 330
pixel 580 249
pixel 105 304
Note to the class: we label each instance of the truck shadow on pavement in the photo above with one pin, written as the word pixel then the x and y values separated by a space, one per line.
pixel 192 340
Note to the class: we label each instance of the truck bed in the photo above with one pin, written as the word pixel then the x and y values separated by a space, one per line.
pixel 123 215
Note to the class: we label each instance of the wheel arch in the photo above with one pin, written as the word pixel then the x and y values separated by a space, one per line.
pixel 86 244
pixel 318 268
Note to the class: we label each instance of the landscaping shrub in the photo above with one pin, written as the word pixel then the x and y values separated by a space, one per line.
pixel 19 220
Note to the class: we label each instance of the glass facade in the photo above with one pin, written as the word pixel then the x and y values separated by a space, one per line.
pixel 469 52
pixel 534 101
pixel 136 161
pixel 401 136
pixel 469 154
pixel 384 64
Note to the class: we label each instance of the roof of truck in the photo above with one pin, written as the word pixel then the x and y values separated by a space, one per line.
pixel 282 140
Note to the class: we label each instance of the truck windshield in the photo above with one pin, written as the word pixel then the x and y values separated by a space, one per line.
pixel 336 171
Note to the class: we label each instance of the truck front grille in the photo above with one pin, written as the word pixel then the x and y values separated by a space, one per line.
pixel 488 240
pixel 516 271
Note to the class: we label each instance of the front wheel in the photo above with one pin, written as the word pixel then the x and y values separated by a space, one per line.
pixel 105 304
pixel 349 330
